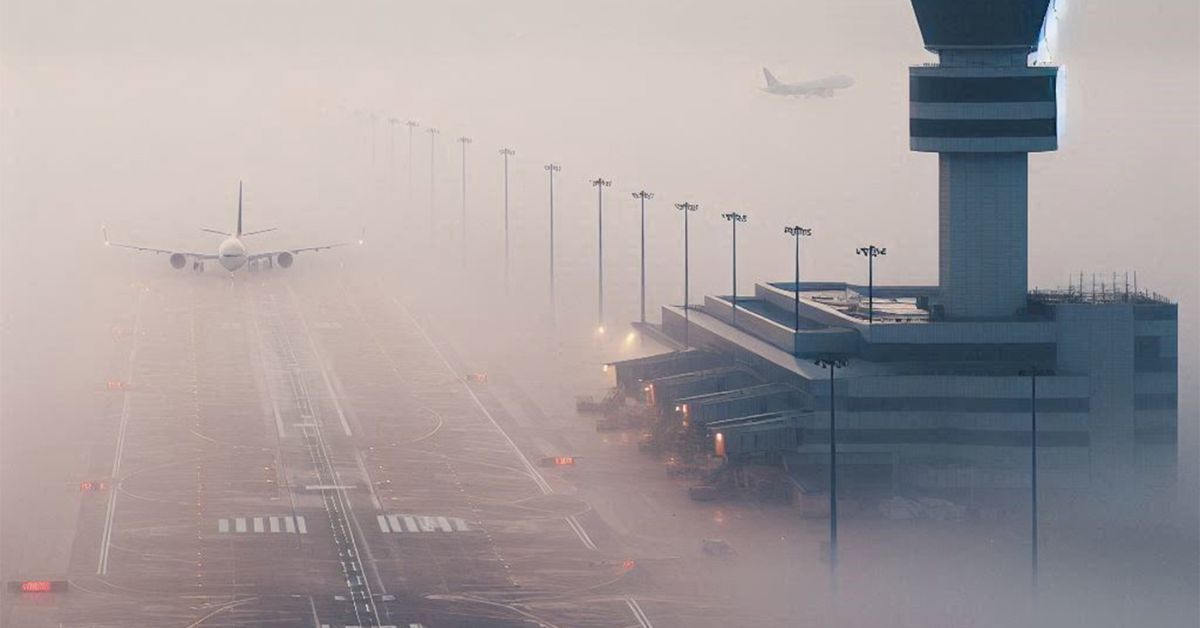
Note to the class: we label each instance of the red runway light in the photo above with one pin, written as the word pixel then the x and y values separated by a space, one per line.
pixel 629 564
pixel 38 586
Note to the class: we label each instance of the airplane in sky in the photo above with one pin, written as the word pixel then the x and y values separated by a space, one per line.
pixel 821 87
pixel 232 253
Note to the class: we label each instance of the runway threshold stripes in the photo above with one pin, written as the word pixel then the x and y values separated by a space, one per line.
pixel 420 523
pixel 263 525
pixel 387 626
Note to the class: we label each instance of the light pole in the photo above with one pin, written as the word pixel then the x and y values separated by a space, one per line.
pixel 797 232
pixel 392 122
pixel 373 118
pixel 686 208
pixel 1033 373
pixel 871 252
pixel 642 196
pixel 734 218
pixel 600 183
pixel 552 168
pixel 832 363
pixel 506 152
pixel 411 124
pixel 432 212
pixel 464 140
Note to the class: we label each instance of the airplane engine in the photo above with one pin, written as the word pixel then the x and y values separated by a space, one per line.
pixel 178 260
pixel 284 259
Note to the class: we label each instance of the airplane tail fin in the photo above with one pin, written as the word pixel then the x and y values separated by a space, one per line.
pixel 239 223
pixel 771 80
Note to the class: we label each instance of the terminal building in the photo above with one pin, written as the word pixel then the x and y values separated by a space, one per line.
pixel 938 386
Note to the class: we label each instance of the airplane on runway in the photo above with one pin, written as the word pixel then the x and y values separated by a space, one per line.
pixel 821 87
pixel 232 253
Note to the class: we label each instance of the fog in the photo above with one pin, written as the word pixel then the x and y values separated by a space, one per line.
pixel 144 116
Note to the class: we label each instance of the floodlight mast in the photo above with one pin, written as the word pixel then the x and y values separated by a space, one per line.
pixel 600 183
pixel 797 232
pixel 552 168
pixel 642 196
pixel 734 218
pixel 870 252
pixel 411 124
pixel 1033 373
pixel 433 133
pixel 506 152
pixel 832 362
pixel 464 140
pixel 686 208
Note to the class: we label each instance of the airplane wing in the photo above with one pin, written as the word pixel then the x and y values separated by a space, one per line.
pixel 306 249
pixel 297 251
pixel 150 249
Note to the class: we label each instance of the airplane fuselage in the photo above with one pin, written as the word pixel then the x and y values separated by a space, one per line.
pixel 824 87
pixel 232 254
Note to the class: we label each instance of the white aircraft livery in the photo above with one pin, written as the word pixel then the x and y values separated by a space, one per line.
pixel 821 87
pixel 232 254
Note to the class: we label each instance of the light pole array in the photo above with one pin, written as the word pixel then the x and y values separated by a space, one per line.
pixel 734 218
pixel 797 232
pixel 642 196
pixel 832 363
pixel 506 152
pixel 464 140
pixel 552 168
pixel 870 252
pixel 600 183
pixel 433 133
pixel 686 208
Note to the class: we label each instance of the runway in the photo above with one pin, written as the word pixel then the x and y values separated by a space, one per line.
pixel 283 456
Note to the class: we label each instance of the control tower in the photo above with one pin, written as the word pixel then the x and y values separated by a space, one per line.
pixel 982 108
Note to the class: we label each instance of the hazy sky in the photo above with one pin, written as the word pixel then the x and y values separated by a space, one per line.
pixel 144 114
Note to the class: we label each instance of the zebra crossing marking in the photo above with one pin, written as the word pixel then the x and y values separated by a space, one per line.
pixel 420 523
pixel 263 524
